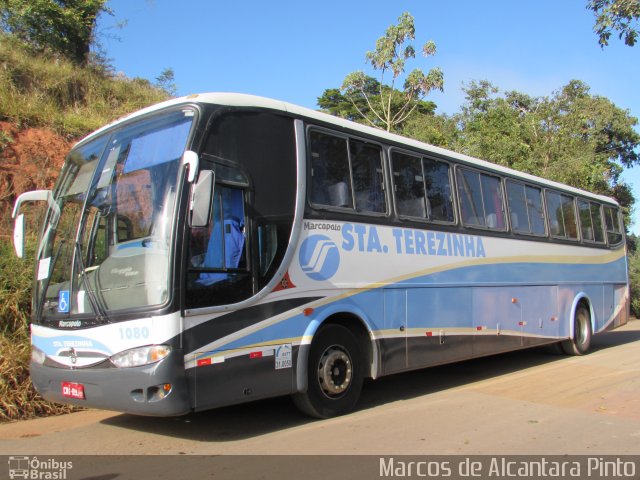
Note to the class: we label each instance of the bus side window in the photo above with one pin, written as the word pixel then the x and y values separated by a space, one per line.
pixel 480 199
pixel 346 173
pixel 535 210
pixel 409 186
pixel 525 207
pixel 570 219
pixel 331 177
pixel 586 224
pixel 518 207
pixel 612 222
pixel 596 216
pixel 562 215
pixel 366 163
pixel 438 187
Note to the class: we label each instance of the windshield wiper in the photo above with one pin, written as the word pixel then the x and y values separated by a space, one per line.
pixel 96 306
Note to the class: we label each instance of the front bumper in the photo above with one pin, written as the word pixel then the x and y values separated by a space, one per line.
pixel 127 390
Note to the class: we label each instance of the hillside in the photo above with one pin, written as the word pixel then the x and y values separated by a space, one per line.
pixel 46 105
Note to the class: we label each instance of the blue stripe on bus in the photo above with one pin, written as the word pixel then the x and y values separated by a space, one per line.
pixel 524 273
pixel 446 303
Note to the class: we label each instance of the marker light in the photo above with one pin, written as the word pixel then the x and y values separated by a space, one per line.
pixel 136 357
pixel 157 393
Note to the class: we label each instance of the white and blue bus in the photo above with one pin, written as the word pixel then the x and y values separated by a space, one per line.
pixel 222 248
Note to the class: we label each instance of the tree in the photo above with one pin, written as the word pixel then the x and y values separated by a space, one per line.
pixel 356 107
pixel 166 81
pixel 634 274
pixel 616 15
pixel 387 107
pixel 66 27
pixel 572 137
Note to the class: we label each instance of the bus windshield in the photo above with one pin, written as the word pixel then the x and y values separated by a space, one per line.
pixel 108 249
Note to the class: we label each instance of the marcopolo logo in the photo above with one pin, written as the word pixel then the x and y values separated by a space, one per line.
pixel 319 257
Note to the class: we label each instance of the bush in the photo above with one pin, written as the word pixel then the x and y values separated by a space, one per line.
pixel 634 281
pixel 18 398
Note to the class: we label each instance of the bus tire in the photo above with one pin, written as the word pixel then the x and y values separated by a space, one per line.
pixel 334 374
pixel 581 341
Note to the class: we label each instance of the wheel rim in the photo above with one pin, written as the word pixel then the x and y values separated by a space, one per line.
pixel 335 371
pixel 582 335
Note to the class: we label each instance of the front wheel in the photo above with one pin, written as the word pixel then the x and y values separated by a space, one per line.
pixel 581 341
pixel 334 374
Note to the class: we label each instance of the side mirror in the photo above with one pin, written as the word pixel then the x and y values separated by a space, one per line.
pixel 18 228
pixel 202 198
pixel 18 236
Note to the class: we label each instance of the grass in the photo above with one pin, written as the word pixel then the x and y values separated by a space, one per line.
pixel 18 398
pixel 45 90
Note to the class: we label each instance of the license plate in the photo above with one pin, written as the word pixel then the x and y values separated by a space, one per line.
pixel 73 390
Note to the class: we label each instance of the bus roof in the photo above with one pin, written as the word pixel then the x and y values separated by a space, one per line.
pixel 245 100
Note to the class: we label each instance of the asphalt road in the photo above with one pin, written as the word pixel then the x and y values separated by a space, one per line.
pixel 528 402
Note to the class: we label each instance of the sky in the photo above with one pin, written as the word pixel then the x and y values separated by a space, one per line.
pixel 293 50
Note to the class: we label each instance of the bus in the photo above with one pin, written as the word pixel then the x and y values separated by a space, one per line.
pixel 223 248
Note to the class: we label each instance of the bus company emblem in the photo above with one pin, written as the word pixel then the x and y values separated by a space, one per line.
pixel 319 257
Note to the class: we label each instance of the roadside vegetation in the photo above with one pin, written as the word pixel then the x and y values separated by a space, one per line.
pixel 45 90
pixel 47 102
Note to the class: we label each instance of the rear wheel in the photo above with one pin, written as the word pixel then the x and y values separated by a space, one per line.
pixel 334 374
pixel 581 341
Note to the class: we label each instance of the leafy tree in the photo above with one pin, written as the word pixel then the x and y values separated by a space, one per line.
pixel 633 252
pixel 63 26
pixel 387 107
pixel 166 81
pixel 616 15
pixel 356 107
pixel 439 130
pixel 572 137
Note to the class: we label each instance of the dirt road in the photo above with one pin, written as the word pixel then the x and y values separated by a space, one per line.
pixel 528 402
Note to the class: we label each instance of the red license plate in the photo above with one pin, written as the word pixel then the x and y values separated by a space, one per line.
pixel 73 390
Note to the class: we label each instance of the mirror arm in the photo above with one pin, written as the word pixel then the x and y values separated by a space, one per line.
pixel 34 196
pixel 191 159
pixel 18 228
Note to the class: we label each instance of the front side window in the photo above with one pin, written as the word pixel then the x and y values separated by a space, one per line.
pixel 480 199
pixel 217 259
pixel 346 173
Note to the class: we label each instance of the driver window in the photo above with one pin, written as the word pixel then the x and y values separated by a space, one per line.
pixel 222 243
pixel 218 270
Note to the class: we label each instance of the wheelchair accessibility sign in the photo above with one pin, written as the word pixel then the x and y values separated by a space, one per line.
pixel 63 301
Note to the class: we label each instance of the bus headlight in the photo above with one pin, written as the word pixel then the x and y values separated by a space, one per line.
pixel 136 357
pixel 37 355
